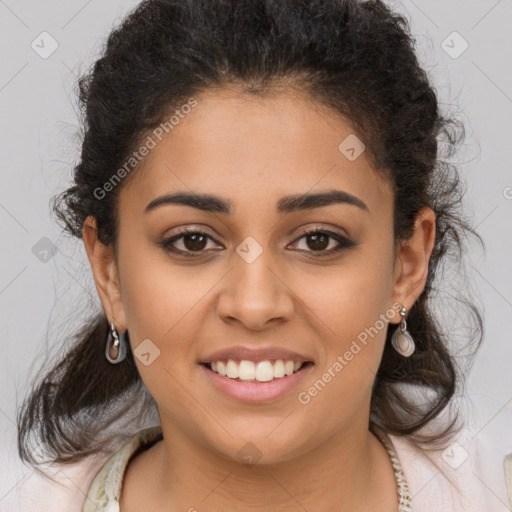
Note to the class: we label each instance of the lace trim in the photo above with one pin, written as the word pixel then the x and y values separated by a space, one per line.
pixel 106 487
pixel 404 496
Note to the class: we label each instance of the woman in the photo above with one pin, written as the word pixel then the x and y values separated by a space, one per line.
pixel 260 194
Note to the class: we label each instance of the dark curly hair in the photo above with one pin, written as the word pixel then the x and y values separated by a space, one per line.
pixel 355 57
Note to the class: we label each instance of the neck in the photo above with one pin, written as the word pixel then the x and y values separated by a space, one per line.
pixel 350 471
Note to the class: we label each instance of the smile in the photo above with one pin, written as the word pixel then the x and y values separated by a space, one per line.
pixel 255 371
pixel 251 381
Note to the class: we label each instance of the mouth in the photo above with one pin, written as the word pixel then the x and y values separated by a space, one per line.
pixel 256 382
pixel 256 371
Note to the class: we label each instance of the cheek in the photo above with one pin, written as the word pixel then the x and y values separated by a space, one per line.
pixel 156 293
pixel 350 309
pixel 161 304
pixel 351 298
pixel 159 300
pixel 353 339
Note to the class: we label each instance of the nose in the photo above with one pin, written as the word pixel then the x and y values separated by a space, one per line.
pixel 255 295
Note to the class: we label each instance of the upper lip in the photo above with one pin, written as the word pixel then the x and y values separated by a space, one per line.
pixel 239 352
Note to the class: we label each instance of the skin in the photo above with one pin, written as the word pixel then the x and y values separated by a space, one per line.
pixel 315 457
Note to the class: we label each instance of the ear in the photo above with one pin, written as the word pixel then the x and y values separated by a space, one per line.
pixel 411 266
pixel 104 269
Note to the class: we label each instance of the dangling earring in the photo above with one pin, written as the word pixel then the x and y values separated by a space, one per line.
pixel 402 340
pixel 115 349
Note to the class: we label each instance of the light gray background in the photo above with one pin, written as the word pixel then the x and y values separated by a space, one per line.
pixel 38 147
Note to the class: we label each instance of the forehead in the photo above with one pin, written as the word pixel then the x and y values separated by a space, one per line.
pixel 249 149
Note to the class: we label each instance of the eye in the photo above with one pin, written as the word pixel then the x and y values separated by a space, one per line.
pixel 318 240
pixel 192 240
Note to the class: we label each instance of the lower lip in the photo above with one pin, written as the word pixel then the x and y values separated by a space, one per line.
pixel 256 392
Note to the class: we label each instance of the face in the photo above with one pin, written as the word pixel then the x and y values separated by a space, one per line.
pixel 248 276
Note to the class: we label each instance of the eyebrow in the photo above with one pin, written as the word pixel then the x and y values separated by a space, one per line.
pixel 287 204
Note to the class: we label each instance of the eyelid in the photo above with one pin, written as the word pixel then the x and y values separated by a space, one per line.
pixel 343 241
pixel 318 229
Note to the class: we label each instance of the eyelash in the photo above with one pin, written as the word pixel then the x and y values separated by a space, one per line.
pixel 344 243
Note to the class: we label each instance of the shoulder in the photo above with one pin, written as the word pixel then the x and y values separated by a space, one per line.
pixel 467 474
pixel 38 493
pixel 105 489
pixel 80 486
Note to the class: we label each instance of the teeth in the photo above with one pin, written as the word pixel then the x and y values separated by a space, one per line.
pixel 279 368
pixel 231 369
pixel 262 371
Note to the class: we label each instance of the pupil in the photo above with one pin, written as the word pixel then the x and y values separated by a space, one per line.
pixel 318 246
pixel 194 244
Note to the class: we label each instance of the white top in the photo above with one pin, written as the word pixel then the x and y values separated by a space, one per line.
pixel 471 475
